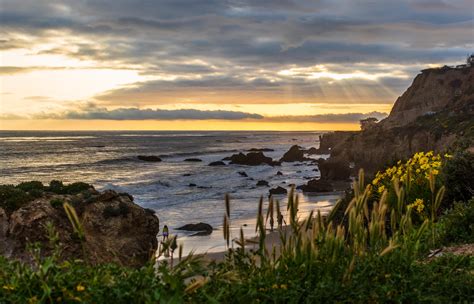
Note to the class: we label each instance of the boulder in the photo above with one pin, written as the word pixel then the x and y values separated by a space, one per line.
pixel 334 169
pixel 296 153
pixel 316 185
pixel 203 228
pixel 279 173
pixel 192 185
pixel 194 160
pixel 115 228
pixel 312 150
pixel 252 159
pixel 262 183
pixel 278 190
pixel 243 173
pixel 149 158
pixel 217 163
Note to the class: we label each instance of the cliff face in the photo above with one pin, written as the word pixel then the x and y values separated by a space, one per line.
pixel 435 113
pixel 432 91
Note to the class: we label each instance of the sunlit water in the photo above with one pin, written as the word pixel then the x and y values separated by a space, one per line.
pixel 108 161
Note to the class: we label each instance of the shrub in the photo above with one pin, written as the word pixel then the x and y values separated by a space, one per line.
pixel 457 225
pixel 459 177
pixel 419 176
pixel 75 188
pixel 56 203
pixel 29 186
pixel 56 186
pixel 12 198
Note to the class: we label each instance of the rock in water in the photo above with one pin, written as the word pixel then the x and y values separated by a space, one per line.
pixel 203 228
pixel 194 160
pixel 217 163
pixel 334 169
pixel 279 173
pixel 243 174
pixel 262 183
pixel 115 228
pixel 296 153
pixel 149 158
pixel 278 190
pixel 252 159
pixel 315 185
pixel 312 150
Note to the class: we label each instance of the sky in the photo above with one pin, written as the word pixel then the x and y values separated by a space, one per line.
pixel 219 64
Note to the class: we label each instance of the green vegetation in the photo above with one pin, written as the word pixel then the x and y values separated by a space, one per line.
pixel 372 247
pixel 56 202
pixel 14 197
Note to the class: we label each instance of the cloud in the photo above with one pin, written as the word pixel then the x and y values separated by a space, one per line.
pixel 96 113
pixel 230 51
pixel 329 118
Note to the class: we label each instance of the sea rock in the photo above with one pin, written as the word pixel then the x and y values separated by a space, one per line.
pixel 279 173
pixel 243 173
pixel 194 160
pixel 203 228
pixel 192 185
pixel 149 158
pixel 333 169
pixel 252 159
pixel 262 183
pixel 261 150
pixel 316 185
pixel 278 190
pixel 296 153
pixel 115 228
pixel 217 163
pixel 312 150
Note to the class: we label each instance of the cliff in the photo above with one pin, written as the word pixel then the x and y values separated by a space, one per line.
pixel 435 113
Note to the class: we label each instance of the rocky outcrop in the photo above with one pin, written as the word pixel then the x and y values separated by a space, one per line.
pixel 278 190
pixel 316 185
pixel 203 228
pixel 296 153
pixel 115 228
pixel 435 113
pixel 252 159
pixel 193 160
pixel 149 158
pixel 261 150
pixel 217 163
pixel 334 169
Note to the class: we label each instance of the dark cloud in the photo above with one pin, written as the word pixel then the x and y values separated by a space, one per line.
pixel 239 46
pixel 148 114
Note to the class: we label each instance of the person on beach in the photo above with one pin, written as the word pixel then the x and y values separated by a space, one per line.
pixel 165 233
pixel 280 220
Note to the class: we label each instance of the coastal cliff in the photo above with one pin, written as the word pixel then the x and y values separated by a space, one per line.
pixel 435 113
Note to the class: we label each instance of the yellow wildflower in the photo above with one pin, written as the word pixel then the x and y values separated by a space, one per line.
pixel 283 286
pixel 381 189
pixel 8 287
pixel 80 287
pixel 275 286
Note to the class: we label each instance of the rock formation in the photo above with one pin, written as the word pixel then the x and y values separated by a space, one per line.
pixel 435 113
pixel 252 159
pixel 115 228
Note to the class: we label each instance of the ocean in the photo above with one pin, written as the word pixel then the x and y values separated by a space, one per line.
pixel 108 160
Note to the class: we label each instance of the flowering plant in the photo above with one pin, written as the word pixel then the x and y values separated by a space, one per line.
pixel 419 176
